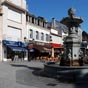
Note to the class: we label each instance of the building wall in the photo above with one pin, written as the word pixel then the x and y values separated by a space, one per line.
pixel 14 26
pixel 13 22
pixel 64 35
pixel 57 39
pixel 20 3
pixel 39 29
pixel 1 37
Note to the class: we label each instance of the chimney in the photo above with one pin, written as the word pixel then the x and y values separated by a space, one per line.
pixel 53 23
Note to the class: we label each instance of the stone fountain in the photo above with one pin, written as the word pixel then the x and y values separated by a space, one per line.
pixel 71 65
pixel 72 42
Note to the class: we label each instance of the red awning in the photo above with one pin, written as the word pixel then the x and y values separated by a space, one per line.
pixel 56 45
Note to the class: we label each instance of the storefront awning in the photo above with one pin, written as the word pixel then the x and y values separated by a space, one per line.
pixel 41 48
pixel 14 43
pixel 20 49
pixel 56 45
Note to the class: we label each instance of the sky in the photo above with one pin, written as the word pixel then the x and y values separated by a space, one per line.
pixel 58 9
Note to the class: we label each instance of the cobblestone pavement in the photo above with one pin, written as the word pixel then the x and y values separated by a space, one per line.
pixel 23 75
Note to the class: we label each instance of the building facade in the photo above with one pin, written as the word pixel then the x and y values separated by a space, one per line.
pixel 12 24
pixel 37 29
pixel 38 34
pixel 44 33
pixel 56 37
pixel 18 26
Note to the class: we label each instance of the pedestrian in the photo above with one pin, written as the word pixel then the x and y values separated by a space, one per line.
pixel 62 59
pixel 16 57
pixel 81 57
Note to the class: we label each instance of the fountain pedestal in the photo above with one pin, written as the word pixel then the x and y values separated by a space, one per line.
pixel 72 42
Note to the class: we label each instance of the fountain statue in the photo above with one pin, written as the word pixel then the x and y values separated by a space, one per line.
pixel 72 42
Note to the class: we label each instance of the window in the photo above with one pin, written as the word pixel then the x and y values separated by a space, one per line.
pixel 31 33
pixel 37 35
pixel 32 19
pixel 43 24
pixel 38 22
pixel 13 34
pixel 14 15
pixel 42 36
pixel 47 37
pixel 27 18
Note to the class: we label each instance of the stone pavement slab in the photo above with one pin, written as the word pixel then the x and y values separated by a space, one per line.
pixel 23 75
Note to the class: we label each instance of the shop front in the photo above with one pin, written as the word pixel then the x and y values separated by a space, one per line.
pixel 39 51
pixel 56 49
pixel 14 50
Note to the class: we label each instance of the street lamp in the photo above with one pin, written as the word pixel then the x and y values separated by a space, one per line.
pixel 27 44
pixel 26 41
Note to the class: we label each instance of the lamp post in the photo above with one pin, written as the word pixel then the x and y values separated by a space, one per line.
pixel 33 41
pixel 27 43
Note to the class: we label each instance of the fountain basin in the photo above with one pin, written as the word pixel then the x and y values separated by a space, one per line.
pixel 75 73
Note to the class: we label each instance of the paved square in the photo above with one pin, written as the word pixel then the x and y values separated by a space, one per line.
pixel 23 75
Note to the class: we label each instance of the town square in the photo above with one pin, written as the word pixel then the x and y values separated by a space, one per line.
pixel 43 44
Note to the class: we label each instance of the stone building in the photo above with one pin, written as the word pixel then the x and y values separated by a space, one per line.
pixel 18 26
pixel 56 31
pixel 38 35
pixel 45 35
pixel 12 27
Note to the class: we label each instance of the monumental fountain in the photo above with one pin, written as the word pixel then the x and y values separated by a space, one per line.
pixel 72 42
pixel 71 65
